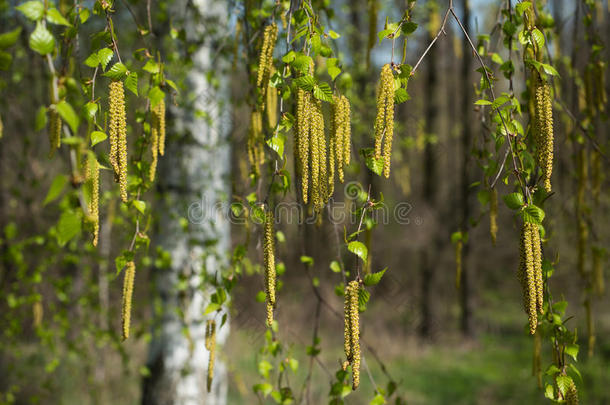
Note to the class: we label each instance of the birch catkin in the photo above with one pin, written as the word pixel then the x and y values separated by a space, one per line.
pixel 493 215
pixel 530 273
pixel 340 136
pixel 354 319
pixel 210 345
pixel 384 122
pixel 269 265
pixel 271 103
pixel 302 139
pixel 118 135
pixel 128 282
pixel 544 130
pixel 256 149
pixel 92 177
pixel 266 58
pixel 159 123
pixel 572 394
pixel 55 124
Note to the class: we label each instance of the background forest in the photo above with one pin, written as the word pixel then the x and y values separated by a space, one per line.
pixel 201 202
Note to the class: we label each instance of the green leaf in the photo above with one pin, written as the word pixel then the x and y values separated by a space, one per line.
pixel 55 17
pixel 301 63
pixel 514 201
pixel 8 39
pixel 42 40
pixel 307 260
pixel 401 95
pixel 117 71
pixel 333 34
pixel 5 60
pixel 323 92
pixel 41 119
pixel 521 7
pixel 548 69
pixel 563 383
pixel 374 278
pixel 264 367
pixel 151 66
pixel 132 83
pixel 333 72
pixel 90 109
pixel 549 392
pixel 68 227
pixel 359 249
pixel 276 142
pixel 533 214
pixel 140 206
pixel 305 82
pixel 57 186
pixel 84 15
pixel 383 34
pixel 363 299
pixel 97 137
pixel 92 60
pixel 572 350
pixel 156 95
pixel 538 37
pixel 482 102
pixel 408 27
pixel 335 267
pixel 67 113
pixel 378 400
pixel 264 388
pixel 104 56
pixel 32 9
pixel 375 165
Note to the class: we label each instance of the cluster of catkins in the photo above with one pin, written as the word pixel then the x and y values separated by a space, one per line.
pixel 351 334
pixel 315 163
pixel 530 272
pixel 384 122
pixel 269 265
pixel 210 345
pixel 543 129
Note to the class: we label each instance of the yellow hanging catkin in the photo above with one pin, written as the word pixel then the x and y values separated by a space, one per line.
pixel 55 124
pixel 527 276
pixel 314 157
pixel 266 58
pixel 323 195
pixel 384 122
pixel 544 130
pixel 347 329
pixel 159 122
pixel 256 149
pixel 154 151
pixel 210 345
pixel 118 135
pixel 271 104
pixel 128 282
pixel 354 318
pixel 459 245
pixel 493 215
pixel 37 313
pixel 269 265
pixel 92 177
pixel 340 136
pixel 537 258
pixel 601 97
pixel 304 116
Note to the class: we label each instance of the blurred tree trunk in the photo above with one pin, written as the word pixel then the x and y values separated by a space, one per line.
pixel 466 298
pixel 430 182
pixel 193 180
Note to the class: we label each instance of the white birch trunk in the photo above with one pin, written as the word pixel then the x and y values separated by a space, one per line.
pixel 194 181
